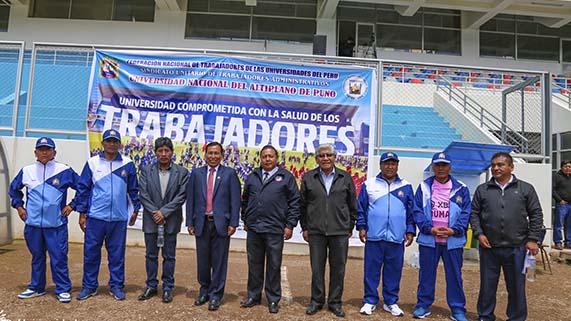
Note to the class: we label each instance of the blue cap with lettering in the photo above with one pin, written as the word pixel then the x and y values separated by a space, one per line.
pixel 45 141
pixel 441 158
pixel 389 156
pixel 111 134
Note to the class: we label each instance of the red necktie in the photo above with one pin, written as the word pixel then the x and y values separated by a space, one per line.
pixel 209 188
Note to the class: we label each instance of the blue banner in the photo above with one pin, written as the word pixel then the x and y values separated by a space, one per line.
pixel 243 103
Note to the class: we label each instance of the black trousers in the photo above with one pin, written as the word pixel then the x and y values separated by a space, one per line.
pixel 212 261
pixel 264 249
pixel 322 247
pixel 511 260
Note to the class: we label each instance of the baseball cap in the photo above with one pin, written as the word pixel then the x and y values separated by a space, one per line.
pixel 111 134
pixel 441 158
pixel 388 156
pixel 45 141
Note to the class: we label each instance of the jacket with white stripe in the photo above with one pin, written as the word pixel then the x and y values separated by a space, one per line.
pixel 460 205
pixel 385 210
pixel 108 190
pixel 46 192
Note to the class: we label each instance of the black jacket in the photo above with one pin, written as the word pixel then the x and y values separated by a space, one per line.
pixel 333 214
pixel 271 206
pixel 561 187
pixel 507 218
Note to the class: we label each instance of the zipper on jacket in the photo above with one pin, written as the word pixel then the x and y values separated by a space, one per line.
pixel 111 178
pixel 388 206
pixel 43 189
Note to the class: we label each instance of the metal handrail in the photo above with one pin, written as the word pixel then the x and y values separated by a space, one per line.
pixel 565 98
pixel 486 119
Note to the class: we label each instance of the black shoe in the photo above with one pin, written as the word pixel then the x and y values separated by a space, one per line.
pixel 201 299
pixel 338 311
pixel 273 307
pixel 213 305
pixel 248 303
pixel 147 294
pixel 313 308
pixel 167 296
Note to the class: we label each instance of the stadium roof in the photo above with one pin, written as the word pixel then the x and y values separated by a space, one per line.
pixel 551 13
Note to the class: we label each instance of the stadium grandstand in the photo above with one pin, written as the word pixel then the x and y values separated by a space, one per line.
pixel 488 72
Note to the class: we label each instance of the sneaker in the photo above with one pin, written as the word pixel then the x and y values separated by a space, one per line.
pixel 393 309
pixel 117 293
pixel 420 313
pixel 458 317
pixel 558 247
pixel 64 297
pixel 29 293
pixel 86 293
pixel 368 309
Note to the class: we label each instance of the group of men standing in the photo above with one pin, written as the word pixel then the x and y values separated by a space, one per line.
pixel 387 213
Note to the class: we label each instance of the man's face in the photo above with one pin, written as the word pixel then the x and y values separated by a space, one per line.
pixel 326 159
pixel 213 155
pixel 441 171
pixel 502 169
pixel 566 169
pixel 44 154
pixel 268 159
pixel 164 155
pixel 389 169
pixel 111 146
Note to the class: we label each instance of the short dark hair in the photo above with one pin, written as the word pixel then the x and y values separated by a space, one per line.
pixel 214 144
pixel 506 155
pixel 269 147
pixel 163 141
pixel 565 162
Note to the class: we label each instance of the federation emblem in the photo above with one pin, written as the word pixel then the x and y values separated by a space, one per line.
pixel 459 199
pixel 355 87
pixel 400 194
pixel 279 178
pixel 55 182
pixel 124 173
pixel 109 68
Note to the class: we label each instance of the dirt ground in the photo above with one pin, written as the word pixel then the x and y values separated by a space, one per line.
pixel 549 297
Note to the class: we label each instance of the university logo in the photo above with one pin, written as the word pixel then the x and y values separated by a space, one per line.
pixel 400 194
pixel 441 155
pixel 459 199
pixel 55 182
pixel 355 87
pixel 124 173
pixel 109 68
pixel 44 140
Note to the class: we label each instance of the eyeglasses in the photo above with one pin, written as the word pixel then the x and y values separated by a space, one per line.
pixel 325 155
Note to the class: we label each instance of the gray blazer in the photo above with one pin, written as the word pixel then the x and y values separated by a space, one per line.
pixel 171 205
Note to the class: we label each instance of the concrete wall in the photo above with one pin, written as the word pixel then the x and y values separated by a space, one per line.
pixel 169 27
pixel 20 153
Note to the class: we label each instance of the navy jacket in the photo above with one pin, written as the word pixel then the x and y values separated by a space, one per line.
pixel 225 199
pixel 271 206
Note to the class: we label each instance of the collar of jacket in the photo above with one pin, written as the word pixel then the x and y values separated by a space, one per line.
pixel 455 182
pixel 492 182
pixel 117 158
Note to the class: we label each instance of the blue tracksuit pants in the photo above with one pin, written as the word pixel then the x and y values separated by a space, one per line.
pixel 114 234
pixel 54 240
pixel 389 257
pixel 453 260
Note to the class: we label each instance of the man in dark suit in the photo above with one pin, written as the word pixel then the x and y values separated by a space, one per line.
pixel 270 211
pixel 162 188
pixel 328 214
pixel 212 215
